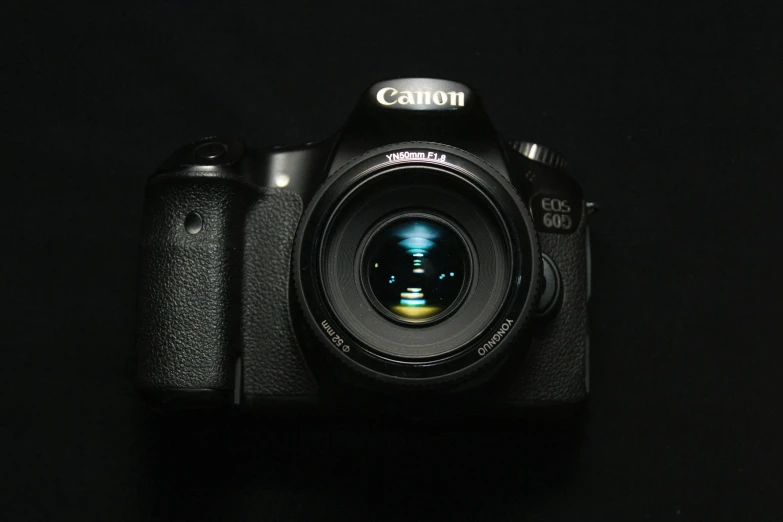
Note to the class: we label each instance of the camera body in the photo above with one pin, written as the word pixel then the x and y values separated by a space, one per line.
pixel 259 285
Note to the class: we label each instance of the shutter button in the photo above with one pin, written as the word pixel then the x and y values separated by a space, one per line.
pixel 212 150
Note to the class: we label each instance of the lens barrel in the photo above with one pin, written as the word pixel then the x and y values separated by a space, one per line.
pixel 415 271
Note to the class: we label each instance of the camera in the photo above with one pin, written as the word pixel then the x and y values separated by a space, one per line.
pixel 413 264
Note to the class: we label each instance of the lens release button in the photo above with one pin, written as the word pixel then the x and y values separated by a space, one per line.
pixel 550 297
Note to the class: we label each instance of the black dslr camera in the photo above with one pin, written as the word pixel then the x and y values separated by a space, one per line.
pixel 413 264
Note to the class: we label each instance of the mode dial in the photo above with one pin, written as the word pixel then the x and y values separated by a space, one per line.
pixel 539 153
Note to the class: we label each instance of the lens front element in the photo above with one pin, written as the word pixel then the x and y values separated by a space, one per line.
pixel 417 268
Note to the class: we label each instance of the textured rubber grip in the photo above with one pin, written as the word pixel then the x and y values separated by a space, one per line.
pixel 190 269
pixel 273 362
pixel 555 369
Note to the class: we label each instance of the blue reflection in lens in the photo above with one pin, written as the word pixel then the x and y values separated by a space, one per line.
pixel 421 253
pixel 417 229
pixel 417 243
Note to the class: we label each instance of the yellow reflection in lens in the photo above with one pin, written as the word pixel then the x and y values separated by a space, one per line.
pixel 416 312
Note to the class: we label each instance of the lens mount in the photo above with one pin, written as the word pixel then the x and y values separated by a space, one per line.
pixel 416 264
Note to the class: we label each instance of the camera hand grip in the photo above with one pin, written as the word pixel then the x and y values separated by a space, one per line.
pixel 189 302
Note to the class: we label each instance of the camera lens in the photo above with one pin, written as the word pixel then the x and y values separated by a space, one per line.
pixel 416 268
pixel 388 220
pixel 417 272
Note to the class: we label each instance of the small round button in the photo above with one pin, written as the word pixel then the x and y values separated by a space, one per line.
pixel 193 223
pixel 211 150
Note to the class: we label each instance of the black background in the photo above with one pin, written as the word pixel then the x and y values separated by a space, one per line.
pixel 670 117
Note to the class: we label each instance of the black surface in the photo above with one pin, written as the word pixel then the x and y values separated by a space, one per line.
pixel 670 118
pixel 188 282
pixel 272 362
pixel 554 368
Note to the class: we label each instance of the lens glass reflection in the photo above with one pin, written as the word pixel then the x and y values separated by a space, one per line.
pixel 416 268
